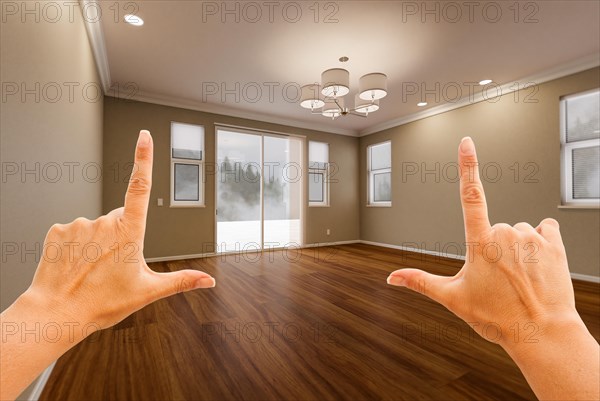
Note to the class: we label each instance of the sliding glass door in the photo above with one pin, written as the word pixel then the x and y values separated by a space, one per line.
pixel 258 190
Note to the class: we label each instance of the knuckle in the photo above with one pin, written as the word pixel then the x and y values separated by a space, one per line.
pixel 80 222
pixel 56 233
pixel 183 285
pixel 418 285
pixel 118 212
pixel 101 220
pixel 468 160
pixel 140 185
pixel 57 229
pixel 502 228
pixel 472 194
pixel 550 222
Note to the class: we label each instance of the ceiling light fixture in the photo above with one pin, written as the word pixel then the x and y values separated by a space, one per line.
pixel 311 97
pixel 365 106
pixel 422 104
pixel 335 84
pixel 133 20
pixel 485 82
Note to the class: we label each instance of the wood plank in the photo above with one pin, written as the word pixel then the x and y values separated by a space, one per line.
pixel 321 324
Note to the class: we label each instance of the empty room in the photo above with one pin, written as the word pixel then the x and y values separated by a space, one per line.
pixel 300 200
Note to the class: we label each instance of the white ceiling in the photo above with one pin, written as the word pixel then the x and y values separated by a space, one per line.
pixel 181 51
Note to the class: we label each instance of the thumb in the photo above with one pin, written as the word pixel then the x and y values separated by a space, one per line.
pixel 167 284
pixel 430 285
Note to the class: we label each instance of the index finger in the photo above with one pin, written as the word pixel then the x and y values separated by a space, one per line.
pixel 138 191
pixel 472 196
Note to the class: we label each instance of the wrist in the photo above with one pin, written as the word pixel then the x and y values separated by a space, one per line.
pixel 545 332
pixel 40 319
pixel 34 334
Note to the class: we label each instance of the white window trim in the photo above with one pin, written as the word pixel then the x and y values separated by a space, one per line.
pixel 326 181
pixel 566 161
pixel 200 163
pixel 370 181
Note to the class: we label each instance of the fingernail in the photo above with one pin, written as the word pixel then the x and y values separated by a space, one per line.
pixel 466 146
pixel 144 137
pixel 205 282
pixel 395 280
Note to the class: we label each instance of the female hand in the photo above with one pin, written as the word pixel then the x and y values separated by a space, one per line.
pixel 514 278
pixel 92 275
pixel 515 289
pixel 95 270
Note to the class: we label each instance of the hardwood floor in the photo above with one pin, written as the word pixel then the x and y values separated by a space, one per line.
pixel 323 327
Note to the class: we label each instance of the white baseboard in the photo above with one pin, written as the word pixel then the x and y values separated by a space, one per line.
pixel 585 277
pixel 319 244
pixel 210 254
pixel 416 250
pixel 574 276
pixel 41 383
pixel 181 257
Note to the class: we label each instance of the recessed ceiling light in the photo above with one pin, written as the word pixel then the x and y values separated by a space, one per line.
pixel 344 59
pixel 485 82
pixel 134 20
pixel 422 104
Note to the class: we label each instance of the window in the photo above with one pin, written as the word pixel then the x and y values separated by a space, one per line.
pixel 187 159
pixel 379 180
pixel 580 149
pixel 318 173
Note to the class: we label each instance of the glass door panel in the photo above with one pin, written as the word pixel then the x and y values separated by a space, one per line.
pixel 239 222
pixel 282 183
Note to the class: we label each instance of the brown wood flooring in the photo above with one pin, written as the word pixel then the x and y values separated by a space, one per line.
pixel 323 327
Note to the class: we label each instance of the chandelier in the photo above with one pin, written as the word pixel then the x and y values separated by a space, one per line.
pixel 328 99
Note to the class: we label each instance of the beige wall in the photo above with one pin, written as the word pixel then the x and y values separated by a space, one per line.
pixel 427 214
pixel 38 135
pixel 188 231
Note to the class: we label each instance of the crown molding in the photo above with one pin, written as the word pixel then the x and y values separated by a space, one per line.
pixel 96 38
pixel 173 101
pixel 563 70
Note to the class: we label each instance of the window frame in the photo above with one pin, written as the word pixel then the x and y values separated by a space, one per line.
pixel 371 177
pixel 184 161
pixel 326 182
pixel 566 157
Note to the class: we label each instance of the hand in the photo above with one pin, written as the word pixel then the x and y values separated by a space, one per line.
pixel 92 275
pixel 515 282
pixel 93 272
